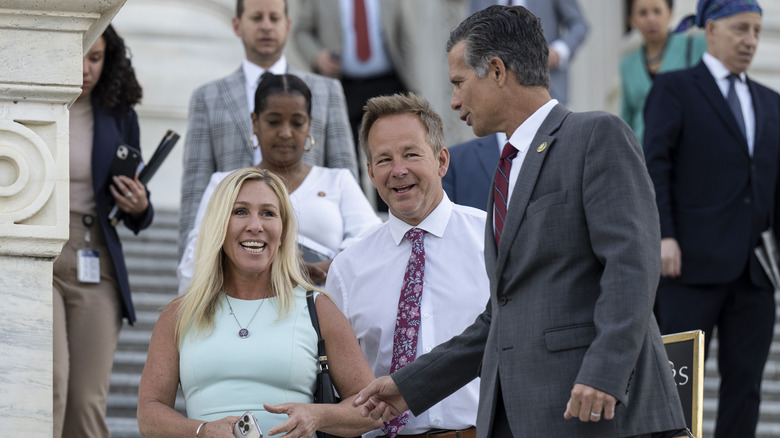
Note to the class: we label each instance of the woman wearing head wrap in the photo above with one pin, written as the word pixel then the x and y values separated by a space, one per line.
pixel 661 51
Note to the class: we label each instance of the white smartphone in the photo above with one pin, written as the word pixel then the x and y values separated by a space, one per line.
pixel 247 427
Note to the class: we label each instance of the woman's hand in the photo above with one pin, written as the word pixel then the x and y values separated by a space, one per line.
pixel 130 195
pixel 222 428
pixel 302 421
pixel 342 419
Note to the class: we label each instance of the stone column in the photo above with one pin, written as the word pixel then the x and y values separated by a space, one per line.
pixel 42 43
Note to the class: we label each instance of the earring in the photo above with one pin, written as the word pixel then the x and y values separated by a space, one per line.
pixel 311 144
pixel 253 141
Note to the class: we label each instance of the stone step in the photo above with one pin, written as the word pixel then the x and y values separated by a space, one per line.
pixel 150 303
pixel 148 282
pixel 141 330
pixel 774 353
pixel 152 233
pixel 126 383
pixel 151 258
pixel 138 336
pixel 122 427
pixel 128 362
pixel 163 266
pixel 155 250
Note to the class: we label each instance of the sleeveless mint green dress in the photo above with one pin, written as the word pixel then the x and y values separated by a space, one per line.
pixel 223 375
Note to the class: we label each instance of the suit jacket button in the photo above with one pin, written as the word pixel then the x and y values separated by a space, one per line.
pixel 502 300
pixel 747 200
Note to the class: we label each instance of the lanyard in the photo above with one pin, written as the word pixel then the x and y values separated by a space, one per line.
pixel 87 220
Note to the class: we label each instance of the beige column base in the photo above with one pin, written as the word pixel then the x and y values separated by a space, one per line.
pixel 42 43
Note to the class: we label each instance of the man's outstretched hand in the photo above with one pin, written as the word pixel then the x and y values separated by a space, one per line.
pixel 381 399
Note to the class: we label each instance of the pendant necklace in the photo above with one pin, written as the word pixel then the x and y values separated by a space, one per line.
pixel 243 333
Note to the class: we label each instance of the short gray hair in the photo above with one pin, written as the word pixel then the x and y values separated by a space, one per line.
pixel 511 33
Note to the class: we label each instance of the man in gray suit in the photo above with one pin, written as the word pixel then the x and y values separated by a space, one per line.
pixel 565 30
pixel 219 132
pixel 567 345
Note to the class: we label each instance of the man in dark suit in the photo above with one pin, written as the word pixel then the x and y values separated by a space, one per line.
pixel 567 345
pixel 472 165
pixel 715 171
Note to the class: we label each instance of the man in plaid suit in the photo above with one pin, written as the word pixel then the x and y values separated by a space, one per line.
pixel 219 134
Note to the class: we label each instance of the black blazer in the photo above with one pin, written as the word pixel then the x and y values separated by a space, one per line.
pixel 472 168
pixel 712 196
pixel 112 129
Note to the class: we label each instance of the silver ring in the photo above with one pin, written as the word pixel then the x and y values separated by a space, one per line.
pixel 595 415
pixel 129 195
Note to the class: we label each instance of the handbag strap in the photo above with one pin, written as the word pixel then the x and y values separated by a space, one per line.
pixel 315 322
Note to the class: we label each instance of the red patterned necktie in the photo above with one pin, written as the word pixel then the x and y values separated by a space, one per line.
pixel 502 189
pixel 361 31
pixel 407 321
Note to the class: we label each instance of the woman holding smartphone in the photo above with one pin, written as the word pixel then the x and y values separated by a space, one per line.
pixel 91 293
pixel 241 338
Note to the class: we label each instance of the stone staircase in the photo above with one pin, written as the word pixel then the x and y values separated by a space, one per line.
pixel 152 258
pixel 769 419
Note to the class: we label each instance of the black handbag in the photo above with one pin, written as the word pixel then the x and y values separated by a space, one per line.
pixel 324 392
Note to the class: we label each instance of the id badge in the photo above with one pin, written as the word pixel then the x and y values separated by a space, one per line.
pixel 88 266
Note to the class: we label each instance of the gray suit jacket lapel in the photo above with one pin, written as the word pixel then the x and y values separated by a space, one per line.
pixel 234 93
pixel 526 180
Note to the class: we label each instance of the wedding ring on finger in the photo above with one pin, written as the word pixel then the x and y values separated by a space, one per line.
pixel 595 415
pixel 129 195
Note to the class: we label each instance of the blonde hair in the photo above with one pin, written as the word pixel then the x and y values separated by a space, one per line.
pixel 198 305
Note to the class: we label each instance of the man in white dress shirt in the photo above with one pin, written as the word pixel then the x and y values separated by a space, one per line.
pixel 403 139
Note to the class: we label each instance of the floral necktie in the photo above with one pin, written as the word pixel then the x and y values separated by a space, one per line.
pixel 407 321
